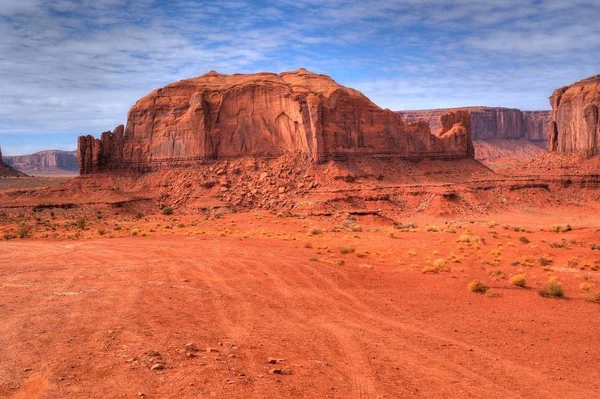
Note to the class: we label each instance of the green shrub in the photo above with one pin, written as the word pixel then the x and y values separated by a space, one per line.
pixel 167 210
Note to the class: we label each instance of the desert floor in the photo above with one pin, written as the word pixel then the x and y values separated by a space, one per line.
pixel 280 306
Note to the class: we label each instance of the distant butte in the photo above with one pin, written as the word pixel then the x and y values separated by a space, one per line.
pixel 576 118
pixel 217 117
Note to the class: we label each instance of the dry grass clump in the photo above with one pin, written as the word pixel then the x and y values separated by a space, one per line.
pixel 436 266
pixel 518 280
pixel 561 229
pixel 478 286
pixel 553 289
pixel 316 231
pixel 433 228
pixel 593 297
pixel 545 260
pixel 498 274
pixel 347 250
pixel 524 240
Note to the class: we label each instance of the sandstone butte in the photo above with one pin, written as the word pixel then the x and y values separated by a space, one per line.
pixel 217 116
pixel 7 171
pixel 495 122
pixel 45 161
pixel 575 127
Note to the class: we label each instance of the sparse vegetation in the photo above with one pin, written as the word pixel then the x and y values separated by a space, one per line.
pixel 167 210
pixel 347 250
pixel 81 222
pixel 545 260
pixel 518 280
pixel 24 230
pixel 553 289
pixel 561 229
pixel 478 286
pixel 316 231
pixel 524 240
pixel 593 297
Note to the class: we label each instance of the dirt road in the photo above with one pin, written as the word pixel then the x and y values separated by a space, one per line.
pixel 90 318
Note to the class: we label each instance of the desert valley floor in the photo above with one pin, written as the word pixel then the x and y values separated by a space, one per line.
pixel 283 305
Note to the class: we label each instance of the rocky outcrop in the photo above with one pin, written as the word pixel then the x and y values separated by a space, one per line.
pixel 217 116
pixel 494 123
pixel 8 171
pixel 52 161
pixel 575 126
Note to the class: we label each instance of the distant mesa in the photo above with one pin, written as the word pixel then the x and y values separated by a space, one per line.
pixel 215 117
pixel 490 123
pixel 575 126
pixel 498 133
pixel 8 171
pixel 45 162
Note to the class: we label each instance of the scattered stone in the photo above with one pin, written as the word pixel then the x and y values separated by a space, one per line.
pixel 191 347
pixel 273 360
pixel 157 366
pixel 26 369
pixel 153 353
pixel 212 350
pixel 280 371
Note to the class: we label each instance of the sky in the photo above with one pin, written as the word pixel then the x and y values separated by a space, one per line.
pixel 72 67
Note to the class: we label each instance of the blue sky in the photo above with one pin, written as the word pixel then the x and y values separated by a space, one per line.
pixel 72 67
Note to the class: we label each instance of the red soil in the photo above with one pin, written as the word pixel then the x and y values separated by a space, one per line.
pixel 84 318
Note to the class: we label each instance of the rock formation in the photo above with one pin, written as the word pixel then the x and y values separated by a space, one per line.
pixel 494 123
pixel 575 126
pixel 52 161
pixel 219 116
pixel 7 171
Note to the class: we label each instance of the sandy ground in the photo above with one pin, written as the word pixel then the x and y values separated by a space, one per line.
pixel 345 310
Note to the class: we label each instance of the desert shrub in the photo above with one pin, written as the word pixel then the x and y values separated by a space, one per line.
pixel 573 262
pixel 347 250
pixel 559 244
pixel 545 260
pixel 433 228
pixel 24 230
pixel 167 210
pixel 80 223
pixel 117 228
pixel 316 231
pixel 585 286
pixel 357 228
pixel 313 259
pixel 8 236
pixel 518 280
pixel 593 297
pixel 498 274
pixel 561 229
pixel 478 286
pixel 595 247
pixel 524 240
pixel 341 262
pixel 101 231
pixel 139 215
pixel 411 252
pixel 553 289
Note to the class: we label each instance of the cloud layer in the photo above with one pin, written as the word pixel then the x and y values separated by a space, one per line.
pixel 76 66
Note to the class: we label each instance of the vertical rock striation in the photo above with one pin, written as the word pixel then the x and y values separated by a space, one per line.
pixel 575 126
pixel 219 116
pixel 494 123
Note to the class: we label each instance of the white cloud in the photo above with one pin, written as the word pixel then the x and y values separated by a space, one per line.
pixel 76 66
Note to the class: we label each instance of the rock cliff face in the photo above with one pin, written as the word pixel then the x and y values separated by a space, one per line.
pixel 266 115
pixel 494 123
pixel 52 161
pixel 575 126
pixel 7 171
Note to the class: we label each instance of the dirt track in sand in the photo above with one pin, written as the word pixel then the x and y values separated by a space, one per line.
pixel 79 319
